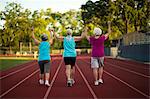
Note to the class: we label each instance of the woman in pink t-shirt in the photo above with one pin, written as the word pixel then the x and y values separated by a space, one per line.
pixel 97 59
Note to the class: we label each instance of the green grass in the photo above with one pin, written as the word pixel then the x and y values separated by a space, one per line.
pixel 9 63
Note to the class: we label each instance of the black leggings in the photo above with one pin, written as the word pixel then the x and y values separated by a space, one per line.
pixel 44 66
pixel 70 61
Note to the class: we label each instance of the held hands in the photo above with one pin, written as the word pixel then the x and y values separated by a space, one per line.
pixel 53 33
pixel 85 31
pixel 51 30
pixel 109 22
pixel 32 29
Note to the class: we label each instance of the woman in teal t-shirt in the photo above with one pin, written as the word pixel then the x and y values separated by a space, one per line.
pixel 69 54
pixel 44 57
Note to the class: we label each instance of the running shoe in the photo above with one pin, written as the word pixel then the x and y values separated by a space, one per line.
pixel 69 83
pixel 41 81
pixel 73 81
pixel 96 83
pixel 101 81
pixel 47 83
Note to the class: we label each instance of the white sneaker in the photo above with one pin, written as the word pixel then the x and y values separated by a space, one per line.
pixel 69 83
pixel 47 83
pixel 41 81
pixel 73 81
pixel 101 81
pixel 96 83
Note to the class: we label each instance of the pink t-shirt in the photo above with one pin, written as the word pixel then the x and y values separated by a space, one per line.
pixel 97 46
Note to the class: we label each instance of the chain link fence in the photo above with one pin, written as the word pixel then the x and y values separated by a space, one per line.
pixel 136 38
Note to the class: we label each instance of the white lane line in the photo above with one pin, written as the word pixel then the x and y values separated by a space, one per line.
pixel 121 62
pixel 16 71
pixel 140 74
pixel 127 84
pixel 128 70
pixel 18 84
pixel 85 80
pixel 51 84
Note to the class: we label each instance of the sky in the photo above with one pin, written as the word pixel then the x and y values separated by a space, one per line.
pixel 55 5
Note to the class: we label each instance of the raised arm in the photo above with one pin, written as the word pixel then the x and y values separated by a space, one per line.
pixel 37 42
pixel 79 38
pixel 61 38
pixel 109 30
pixel 51 36
pixel 85 34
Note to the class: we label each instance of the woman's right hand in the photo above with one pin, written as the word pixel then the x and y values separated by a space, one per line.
pixel 32 29
pixel 51 30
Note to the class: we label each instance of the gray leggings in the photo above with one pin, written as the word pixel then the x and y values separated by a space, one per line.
pixel 44 66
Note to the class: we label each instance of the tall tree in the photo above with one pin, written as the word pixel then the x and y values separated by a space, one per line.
pixel 11 15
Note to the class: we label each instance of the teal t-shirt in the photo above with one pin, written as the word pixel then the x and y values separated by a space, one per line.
pixel 44 51
pixel 69 47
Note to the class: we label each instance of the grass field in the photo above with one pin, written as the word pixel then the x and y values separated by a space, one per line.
pixel 9 63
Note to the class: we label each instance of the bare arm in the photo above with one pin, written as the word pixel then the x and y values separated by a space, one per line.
pixel 37 42
pixel 85 34
pixel 76 38
pixel 109 29
pixel 51 37
pixel 87 37
pixel 61 38
pixel 79 38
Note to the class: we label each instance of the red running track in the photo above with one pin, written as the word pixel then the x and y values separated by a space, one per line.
pixel 122 79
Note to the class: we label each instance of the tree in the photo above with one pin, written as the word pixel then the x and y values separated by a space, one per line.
pixel 125 15
pixel 9 35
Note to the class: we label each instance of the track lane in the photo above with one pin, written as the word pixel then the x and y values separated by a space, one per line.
pixel 31 87
pixel 78 91
pixel 135 71
pixel 19 83
pixel 132 63
pixel 135 79
pixel 15 69
pixel 12 80
pixel 138 82
pixel 87 83
pixel 121 90
pixel 132 67
pixel 110 89
pixel 53 80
